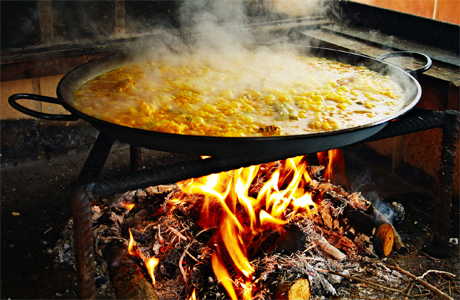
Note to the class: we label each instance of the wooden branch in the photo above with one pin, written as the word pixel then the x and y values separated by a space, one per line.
pixel 370 283
pixel 182 259
pixel 438 272
pixel 422 282
pixel 331 250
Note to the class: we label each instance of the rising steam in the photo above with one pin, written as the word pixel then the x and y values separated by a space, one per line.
pixel 223 24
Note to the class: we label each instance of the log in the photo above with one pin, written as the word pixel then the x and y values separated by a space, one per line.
pixel 381 232
pixel 297 290
pixel 300 290
pixel 372 234
pixel 398 243
pixel 128 278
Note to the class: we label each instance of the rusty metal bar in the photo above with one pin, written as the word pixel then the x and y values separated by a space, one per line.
pixel 135 154
pixel 84 244
pixel 96 158
pixel 449 143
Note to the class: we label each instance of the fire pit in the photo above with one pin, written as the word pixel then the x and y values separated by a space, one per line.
pixel 259 229
pixel 82 210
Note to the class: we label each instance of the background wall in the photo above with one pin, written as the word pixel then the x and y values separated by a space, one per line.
pixel 442 10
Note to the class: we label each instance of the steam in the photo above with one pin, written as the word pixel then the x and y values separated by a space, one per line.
pixel 296 8
pixel 216 25
pixel 223 25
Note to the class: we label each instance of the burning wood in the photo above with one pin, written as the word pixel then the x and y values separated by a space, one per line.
pixel 273 231
pixel 224 222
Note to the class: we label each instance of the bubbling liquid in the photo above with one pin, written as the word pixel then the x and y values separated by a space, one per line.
pixel 256 94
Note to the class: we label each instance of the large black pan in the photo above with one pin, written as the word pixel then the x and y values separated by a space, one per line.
pixel 290 145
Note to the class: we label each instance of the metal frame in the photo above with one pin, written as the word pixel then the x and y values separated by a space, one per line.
pixel 86 191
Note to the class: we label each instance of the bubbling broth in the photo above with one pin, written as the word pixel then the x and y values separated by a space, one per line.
pixel 256 94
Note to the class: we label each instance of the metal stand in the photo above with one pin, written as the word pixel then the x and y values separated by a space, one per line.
pixel 415 121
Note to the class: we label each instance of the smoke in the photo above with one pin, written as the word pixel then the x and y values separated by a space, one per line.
pixel 363 183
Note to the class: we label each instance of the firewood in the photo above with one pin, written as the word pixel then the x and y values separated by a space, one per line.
pixel 331 250
pixel 128 278
pixel 290 241
pixel 398 243
pixel 381 232
pixel 297 290
pixel 354 218
pixel 300 290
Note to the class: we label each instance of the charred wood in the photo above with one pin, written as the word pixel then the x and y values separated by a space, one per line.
pixel 128 278
pixel 352 216
pixel 291 240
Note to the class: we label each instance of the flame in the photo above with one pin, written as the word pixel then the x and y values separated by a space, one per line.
pixel 222 274
pixel 243 205
pixel 335 165
pixel 150 264
pixel 230 206
pixel 127 206
pixel 333 156
pixel 193 295
pixel 132 244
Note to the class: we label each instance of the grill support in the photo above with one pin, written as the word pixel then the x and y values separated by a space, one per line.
pixel 84 193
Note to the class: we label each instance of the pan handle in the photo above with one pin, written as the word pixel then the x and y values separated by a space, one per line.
pixel 415 72
pixel 12 100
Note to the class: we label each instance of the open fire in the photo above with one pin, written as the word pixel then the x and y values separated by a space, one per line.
pixel 256 232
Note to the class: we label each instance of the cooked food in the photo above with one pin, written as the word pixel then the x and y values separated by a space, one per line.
pixel 255 94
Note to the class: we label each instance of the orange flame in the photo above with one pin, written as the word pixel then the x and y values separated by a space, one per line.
pixel 132 244
pixel 222 274
pixel 127 206
pixel 150 264
pixel 193 295
pixel 335 165
pixel 240 217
